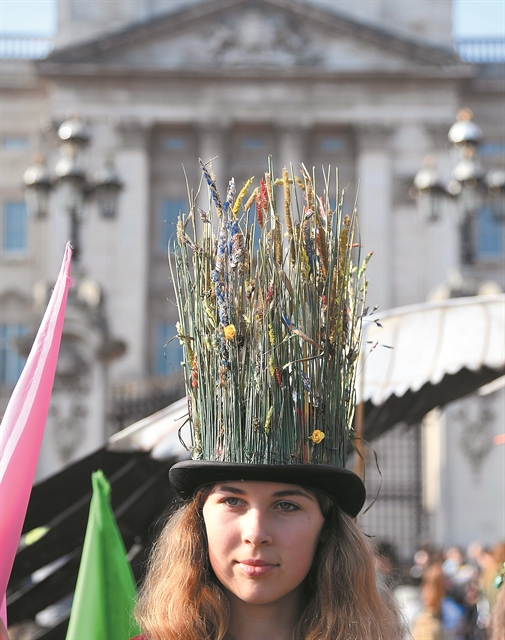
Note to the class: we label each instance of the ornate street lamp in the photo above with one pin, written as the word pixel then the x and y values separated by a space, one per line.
pixel 468 185
pixel 495 182
pixel 429 190
pixel 38 186
pixel 107 186
pixel 71 179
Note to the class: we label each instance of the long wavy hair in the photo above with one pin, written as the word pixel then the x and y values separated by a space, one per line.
pixel 181 598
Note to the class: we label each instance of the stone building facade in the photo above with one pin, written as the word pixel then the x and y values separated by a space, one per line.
pixel 370 87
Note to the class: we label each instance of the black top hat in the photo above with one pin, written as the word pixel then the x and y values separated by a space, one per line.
pixel 270 322
pixel 341 484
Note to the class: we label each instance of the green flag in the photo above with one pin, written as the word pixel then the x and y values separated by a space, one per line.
pixel 105 592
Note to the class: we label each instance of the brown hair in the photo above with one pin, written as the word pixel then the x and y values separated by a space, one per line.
pixel 433 587
pixel 497 631
pixel 181 598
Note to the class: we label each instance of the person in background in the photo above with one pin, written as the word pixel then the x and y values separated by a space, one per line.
pixel 497 630
pixel 494 567
pixel 428 624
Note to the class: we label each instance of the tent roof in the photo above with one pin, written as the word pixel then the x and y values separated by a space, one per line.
pixel 405 348
pixel 412 360
pixel 416 358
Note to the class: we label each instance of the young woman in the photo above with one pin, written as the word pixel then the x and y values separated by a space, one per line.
pixel 265 547
pixel 263 560
pixel 428 625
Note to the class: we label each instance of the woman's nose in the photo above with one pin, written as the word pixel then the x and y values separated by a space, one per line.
pixel 256 529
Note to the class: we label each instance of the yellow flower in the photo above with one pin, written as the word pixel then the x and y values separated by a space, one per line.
pixel 316 436
pixel 230 332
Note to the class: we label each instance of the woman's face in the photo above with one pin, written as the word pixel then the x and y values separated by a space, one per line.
pixel 262 537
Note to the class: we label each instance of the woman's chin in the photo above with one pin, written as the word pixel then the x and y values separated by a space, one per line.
pixel 262 595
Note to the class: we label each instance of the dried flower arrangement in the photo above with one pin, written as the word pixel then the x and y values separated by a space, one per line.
pixel 270 308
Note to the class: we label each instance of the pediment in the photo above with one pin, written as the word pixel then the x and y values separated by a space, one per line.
pixel 254 34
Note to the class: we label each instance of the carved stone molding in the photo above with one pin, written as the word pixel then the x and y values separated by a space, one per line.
pixel 73 370
pixel 133 133
pixel 437 134
pixel 249 38
pixel 68 417
pixel 373 136
pixel 476 436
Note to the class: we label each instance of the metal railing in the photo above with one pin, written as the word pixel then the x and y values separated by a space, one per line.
pixel 18 47
pixel 481 50
pixel 132 401
pixel 476 50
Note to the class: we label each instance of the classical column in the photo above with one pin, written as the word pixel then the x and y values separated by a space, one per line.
pixel 128 285
pixel 212 147
pixel 292 147
pixel 375 176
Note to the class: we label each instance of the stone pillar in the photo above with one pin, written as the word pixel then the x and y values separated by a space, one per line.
pixel 128 284
pixel 292 148
pixel 212 146
pixel 375 176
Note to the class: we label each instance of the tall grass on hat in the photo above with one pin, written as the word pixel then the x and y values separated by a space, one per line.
pixel 270 307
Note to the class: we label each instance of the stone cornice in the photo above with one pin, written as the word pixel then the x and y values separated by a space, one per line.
pixel 97 70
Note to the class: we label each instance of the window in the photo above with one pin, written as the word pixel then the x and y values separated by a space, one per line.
pixel 492 148
pixel 14 227
pixel 490 235
pixel 169 212
pixel 174 143
pixel 11 363
pixel 332 143
pixel 167 352
pixel 253 143
pixel 15 143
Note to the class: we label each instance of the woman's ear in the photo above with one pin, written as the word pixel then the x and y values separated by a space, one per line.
pixel 323 536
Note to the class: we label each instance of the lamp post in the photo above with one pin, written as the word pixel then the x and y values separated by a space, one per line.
pixel 469 186
pixel 71 179
pixel 78 419
pixel 495 182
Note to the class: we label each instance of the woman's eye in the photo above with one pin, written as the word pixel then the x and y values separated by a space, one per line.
pixel 287 506
pixel 232 502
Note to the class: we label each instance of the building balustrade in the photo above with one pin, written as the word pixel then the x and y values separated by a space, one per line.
pixel 475 50
pixel 19 47
pixel 481 50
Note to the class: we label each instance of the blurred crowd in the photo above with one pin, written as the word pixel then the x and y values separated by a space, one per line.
pixel 450 595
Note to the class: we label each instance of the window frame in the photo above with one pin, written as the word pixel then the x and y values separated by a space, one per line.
pixel 18 248
pixel 11 362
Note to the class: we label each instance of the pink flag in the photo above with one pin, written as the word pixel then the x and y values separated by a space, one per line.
pixel 23 424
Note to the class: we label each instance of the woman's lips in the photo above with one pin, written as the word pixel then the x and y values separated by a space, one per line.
pixel 256 568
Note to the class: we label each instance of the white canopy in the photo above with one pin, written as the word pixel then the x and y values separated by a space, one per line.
pixel 158 433
pixel 412 359
pixel 423 343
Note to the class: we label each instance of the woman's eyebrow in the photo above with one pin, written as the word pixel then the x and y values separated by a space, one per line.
pixel 291 492
pixel 225 487
pixel 277 494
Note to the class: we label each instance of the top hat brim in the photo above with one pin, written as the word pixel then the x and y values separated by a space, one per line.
pixel 341 484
